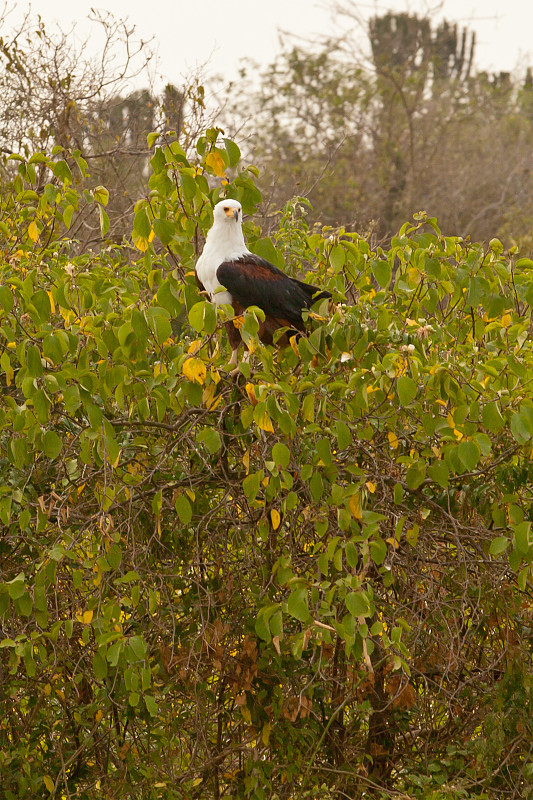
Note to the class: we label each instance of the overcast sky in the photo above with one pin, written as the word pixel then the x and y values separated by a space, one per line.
pixel 218 33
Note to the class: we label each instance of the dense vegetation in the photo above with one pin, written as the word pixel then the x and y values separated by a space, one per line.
pixel 309 581
pixel 314 580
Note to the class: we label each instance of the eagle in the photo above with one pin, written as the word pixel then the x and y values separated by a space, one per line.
pixel 229 273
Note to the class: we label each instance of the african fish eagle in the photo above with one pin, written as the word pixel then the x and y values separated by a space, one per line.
pixel 229 273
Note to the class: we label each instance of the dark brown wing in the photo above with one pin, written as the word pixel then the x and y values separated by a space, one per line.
pixel 253 281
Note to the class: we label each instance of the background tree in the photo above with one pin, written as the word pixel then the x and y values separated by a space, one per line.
pixel 413 126
pixel 54 95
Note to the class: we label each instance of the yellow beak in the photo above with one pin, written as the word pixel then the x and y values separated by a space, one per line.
pixel 232 212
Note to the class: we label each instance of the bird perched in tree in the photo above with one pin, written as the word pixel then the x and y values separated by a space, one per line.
pixel 229 273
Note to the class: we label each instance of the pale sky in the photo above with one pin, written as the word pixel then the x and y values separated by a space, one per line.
pixel 218 33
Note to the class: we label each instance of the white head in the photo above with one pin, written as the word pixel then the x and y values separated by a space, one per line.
pixel 227 212
pixel 224 242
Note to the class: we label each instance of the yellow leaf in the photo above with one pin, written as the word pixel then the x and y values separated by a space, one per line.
pixel 265 733
pixel 197 781
pixel 245 711
pixel 275 518
pixel 393 542
pixel 99 714
pixel 194 370
pixel 208 397
pixel 264 422
pixel 141 242
pixel 87 617
pixel 215 161
pixel 238 321
pixel 393 440
pixel 194 347
pixel 47 690
pixel 294 344
pixel 97 580
pixel 160 369
pixel 246 461
pixel 250 391
pixel 49 783
pixel 355 505
pixel 371 487
pixel 33 231
pixel 52 304
pixel 506 320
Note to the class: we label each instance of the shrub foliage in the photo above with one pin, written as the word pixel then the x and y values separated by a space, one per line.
pixel 310 581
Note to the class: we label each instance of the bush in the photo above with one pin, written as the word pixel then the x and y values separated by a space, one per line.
pixel 312 581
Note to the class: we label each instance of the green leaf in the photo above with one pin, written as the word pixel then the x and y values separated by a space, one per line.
pixel 114 556
pixel 234 154
pixel 251 484
pixel 343 434
pixel 382 272
pixel 101 195
pixel 6 298
pixel 337 257
pixel 416 474
pixel 522 534
pixel 498 545
pixel 378 550
pixel 141 224
pixel 41 301
pixel 281 455
pixel 203 317
pixel 51 444
pixel 163 328
pixel 297 605
pixel 104 221
pixel 16 587
pixel 439 472
pixel 469 454
pixel 164 229
pixel 151 705
pixel 519 428
pixel 33 357
pixel 183 509
pixel 188 185
pixel 262 623
pixel 358 604
pixel 265 249
pixel 62 170
pixel 407 389
pixel 99 666
pixel 210 438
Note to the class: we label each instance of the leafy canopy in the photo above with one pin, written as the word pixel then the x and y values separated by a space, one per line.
pixel 314 581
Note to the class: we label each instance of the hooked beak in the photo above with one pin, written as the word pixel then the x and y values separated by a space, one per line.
pixel 232 213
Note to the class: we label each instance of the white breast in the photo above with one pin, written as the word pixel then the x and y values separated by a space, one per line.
pixel 217 250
